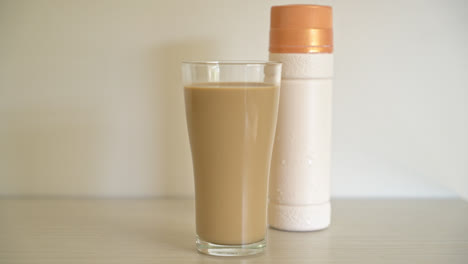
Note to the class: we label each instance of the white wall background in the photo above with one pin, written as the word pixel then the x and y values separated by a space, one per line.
pixel 91 102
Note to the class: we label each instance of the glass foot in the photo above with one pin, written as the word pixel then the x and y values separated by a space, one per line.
pixel 230 250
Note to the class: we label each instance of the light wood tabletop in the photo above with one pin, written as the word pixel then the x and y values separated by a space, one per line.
pixel 162 231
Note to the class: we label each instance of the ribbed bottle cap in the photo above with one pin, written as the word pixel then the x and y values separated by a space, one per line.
pixel 301 29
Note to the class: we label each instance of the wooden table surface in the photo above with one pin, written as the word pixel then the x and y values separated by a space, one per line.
pixel 162 231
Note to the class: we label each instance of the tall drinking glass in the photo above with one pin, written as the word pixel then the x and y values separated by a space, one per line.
pixel 231 109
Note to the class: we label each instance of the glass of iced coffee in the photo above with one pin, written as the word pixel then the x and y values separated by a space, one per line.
pixel 231 109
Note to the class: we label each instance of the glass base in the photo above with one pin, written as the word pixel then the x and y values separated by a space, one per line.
pixel 230 250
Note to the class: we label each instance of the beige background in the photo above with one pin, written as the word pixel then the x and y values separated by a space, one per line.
pixel 91 102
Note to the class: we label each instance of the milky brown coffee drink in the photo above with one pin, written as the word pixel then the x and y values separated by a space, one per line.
pixel 231 128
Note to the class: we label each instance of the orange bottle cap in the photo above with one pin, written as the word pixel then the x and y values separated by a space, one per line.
pixel 301 29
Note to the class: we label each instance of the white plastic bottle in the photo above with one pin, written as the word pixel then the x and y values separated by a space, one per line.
pixel 299 193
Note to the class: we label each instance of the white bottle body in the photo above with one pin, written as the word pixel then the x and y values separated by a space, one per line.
pixel 299 191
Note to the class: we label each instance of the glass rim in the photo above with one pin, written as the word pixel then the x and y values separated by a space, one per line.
pixel 233 62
